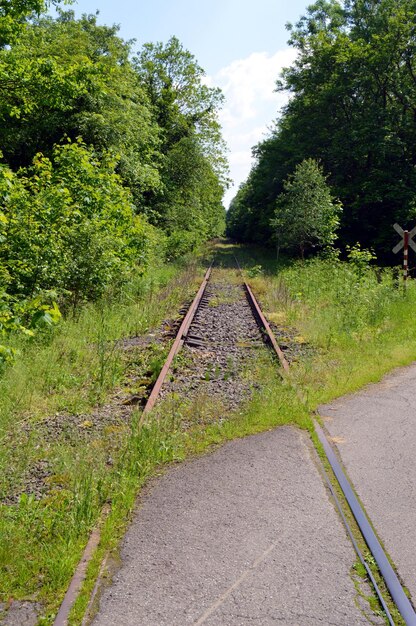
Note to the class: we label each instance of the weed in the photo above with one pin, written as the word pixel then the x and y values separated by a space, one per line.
pixel 42 538
pixel 254 271
pixel 208 375
pixel 361 324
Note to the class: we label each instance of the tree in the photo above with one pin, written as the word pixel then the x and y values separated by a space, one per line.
pixel 193 169
pixel 182 103
pixel 352 108
pixel 67 80
pixel 306 214
pixel 354 100
pixel 14 13
pixel 73 78
pixel 93 147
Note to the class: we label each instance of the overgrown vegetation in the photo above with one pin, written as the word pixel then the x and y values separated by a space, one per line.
pixel 107 159
pixel 61 416
pixel 112 170
pixel 111 165
pixel 69 444
pixel 352 108
pixel 357 316
pixel 352 317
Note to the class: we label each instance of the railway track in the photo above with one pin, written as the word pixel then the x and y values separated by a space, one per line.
pixel 195 335
pixel 189 334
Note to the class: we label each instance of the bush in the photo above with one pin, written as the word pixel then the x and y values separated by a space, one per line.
pixel 180 242
pixel 343 298
pixel 69 224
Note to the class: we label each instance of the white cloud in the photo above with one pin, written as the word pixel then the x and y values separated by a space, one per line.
pixel 239 158
pixel 251 105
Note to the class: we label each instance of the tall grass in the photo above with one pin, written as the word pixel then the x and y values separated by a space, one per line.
pixel 342 300
pixel 71 367
pixel 359 318
pixel 74 370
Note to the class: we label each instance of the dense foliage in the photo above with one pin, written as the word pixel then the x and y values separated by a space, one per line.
pixel 352 107
pixel 306 215
pixel 106 158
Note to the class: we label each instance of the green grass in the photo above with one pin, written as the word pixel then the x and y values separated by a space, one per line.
pixel 358 322
pixel 76 363
pixel 76 371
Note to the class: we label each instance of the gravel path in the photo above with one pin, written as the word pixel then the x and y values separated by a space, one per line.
pixel 245 535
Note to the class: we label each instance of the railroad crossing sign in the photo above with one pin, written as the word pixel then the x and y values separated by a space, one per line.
pixel 410 234
pixel 405 243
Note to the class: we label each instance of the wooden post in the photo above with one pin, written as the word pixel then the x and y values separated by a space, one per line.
pixel 405 255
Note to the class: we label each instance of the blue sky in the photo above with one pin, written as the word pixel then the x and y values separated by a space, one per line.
pixel 241 45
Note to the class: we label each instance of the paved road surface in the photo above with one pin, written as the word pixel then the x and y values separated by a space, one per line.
pixel 245 535
pixel 376 434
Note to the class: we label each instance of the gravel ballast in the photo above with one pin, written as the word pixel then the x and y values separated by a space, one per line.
pixel 222 342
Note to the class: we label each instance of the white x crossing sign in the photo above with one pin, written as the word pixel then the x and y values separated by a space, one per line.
pixel 400 245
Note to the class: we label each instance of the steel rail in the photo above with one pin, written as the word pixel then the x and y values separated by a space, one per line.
pixel 356 547
pixel 390 577
pixel 176 346
pixel 79 575
pixel 261 320
pixel 265 325
pixel 78 578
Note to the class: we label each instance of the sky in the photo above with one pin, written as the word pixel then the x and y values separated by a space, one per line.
pixel 241 45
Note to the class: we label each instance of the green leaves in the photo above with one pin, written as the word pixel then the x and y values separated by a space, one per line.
pixel 46 315
pixel 353 109
pixel 306 215
pixel 13 14
pixel 193 170
pixel 70 225
pixel 94 146
pixel 70 78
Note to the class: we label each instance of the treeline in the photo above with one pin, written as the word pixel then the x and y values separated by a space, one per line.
pixel 352 111
pixel 107 157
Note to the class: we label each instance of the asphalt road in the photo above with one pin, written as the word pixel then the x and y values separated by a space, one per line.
pixel 245 535
pixel 375 434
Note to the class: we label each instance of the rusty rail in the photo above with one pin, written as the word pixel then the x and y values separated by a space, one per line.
pixel 392 582
pixel 78 578
pixel 176 346
pixel 262 322
pixel 79 575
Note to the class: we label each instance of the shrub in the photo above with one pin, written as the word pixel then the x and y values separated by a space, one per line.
pixel 69 224
pixel 180 242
